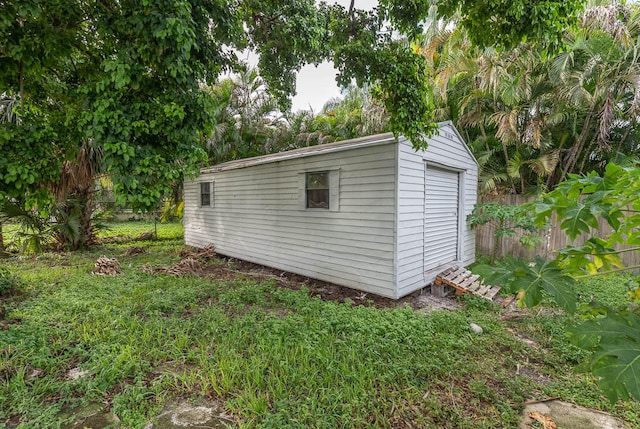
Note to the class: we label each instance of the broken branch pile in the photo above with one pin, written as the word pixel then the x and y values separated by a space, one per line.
pixel 186 266
pixel 135 250
pixel 107 266
pixel 194 252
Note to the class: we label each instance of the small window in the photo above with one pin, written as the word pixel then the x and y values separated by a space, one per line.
pixel 206 189
pixel 317 190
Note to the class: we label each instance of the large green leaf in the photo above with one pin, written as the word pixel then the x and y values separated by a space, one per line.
pixel 592 256
pixel 579 219
pixel 615 340
pixel 534 279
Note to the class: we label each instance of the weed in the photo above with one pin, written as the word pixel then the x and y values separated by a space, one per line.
pixel 8 281
pixel 276 357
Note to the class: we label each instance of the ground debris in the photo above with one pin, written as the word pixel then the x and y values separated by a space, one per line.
pixel 135 250
pixel 547 422
pixel 558 414
pixel 76 373
pixel 107 266
pixel 476 328
pixel 146 236
pixel 199 253
pixel 185 267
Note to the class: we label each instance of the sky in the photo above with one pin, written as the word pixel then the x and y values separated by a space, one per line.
pixel 316 85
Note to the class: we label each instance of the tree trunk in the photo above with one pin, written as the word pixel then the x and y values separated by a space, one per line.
pixel 576 149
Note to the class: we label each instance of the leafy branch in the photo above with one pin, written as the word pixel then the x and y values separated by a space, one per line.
pixel 581 203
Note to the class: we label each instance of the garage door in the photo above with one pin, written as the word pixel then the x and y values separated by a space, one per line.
pixel 440 217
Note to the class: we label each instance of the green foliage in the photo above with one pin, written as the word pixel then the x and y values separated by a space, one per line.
pixel 615 342
pixel 496 22
pixel 127 78
pixel 62 224
pixel 172 211
pixel 611 333
pixel 34 232
pixel 272 356
pixel 7 281
pixel 533 279
pixel 507 221
pixel 532 116
pixel 577 202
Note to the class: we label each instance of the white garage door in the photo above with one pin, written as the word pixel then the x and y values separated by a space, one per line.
pixel 440 217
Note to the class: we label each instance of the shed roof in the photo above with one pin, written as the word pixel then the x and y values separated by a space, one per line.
pixel 373 140
pixel 303 152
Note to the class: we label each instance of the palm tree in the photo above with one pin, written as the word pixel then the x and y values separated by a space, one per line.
pixel 533 119
pixel 599 79
pixel 247 118
pixel 74 192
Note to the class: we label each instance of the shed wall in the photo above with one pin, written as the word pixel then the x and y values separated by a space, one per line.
pixel 446 149
pixel 257 216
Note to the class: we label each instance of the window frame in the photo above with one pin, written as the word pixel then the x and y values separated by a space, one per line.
pixel 210 194
pixel 334 190
pixel 326 176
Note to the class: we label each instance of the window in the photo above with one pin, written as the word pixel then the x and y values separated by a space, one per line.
pixel 317 190
pixel 206 189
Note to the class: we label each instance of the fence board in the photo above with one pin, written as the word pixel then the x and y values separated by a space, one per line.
pixel 553 238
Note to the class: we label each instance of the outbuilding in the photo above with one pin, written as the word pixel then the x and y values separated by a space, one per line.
pixel 370 213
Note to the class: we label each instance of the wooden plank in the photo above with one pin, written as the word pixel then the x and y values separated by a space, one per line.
pixel 493 292
pixel 451 276
pixel 463 281
pixel 483 290
pixel 474 287
pixel 447 271
pixel 461 277
pixel 469 281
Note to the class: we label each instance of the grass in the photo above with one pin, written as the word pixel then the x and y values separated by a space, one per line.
pixel 275 357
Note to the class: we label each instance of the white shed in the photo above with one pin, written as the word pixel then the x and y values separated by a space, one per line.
pixel 369 213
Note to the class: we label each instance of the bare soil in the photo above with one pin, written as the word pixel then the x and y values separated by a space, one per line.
pixel 230 268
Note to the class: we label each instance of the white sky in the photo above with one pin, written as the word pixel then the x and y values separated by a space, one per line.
pixel 316 85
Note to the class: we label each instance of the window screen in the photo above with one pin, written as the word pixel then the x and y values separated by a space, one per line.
pixel 205 194
pixel 317 190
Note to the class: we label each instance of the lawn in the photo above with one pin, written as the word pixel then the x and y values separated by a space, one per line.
pixel 273 356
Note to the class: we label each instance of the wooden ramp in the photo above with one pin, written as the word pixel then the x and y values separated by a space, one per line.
pixel 463 281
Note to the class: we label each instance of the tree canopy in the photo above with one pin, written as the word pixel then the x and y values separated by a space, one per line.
pixel 125 77
pixel 532 117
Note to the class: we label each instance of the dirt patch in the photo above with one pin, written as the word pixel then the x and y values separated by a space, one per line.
pixel 567 416
pixel 534 375
pixel 183 414
pixel 427 302
pixel 226 269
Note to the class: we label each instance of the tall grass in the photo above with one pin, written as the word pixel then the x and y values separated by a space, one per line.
pixel 275 357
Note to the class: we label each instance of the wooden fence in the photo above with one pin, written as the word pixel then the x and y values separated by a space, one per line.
pixel 552 239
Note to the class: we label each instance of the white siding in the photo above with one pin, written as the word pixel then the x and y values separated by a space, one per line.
pixel 445 149
pixel 410 219
pixel 257 216
pixel 373 236
pixel 441 217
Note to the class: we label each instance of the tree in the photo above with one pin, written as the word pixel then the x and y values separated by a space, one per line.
pixel 356 113
pixel 247 119
pixel 611 334
pixel 530 117
pixel 126 76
